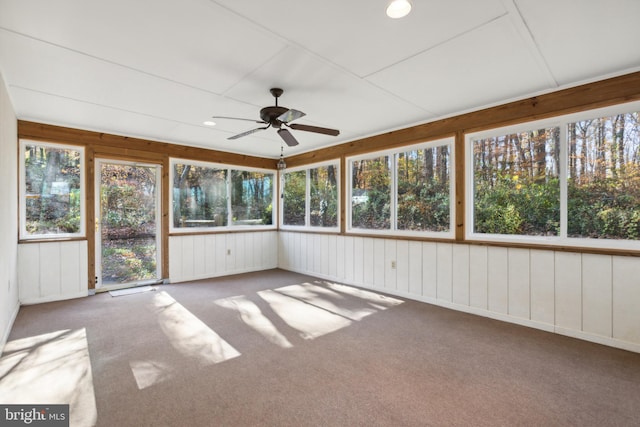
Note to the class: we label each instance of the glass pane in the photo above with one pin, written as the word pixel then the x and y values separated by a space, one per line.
pixel 423 189
pixel 294 194
pixel 604 177
pixel 251 198
pixel 52 190
pixel 516 185
pixel 371 194
pixel 128 219
pixel 324 196
pixel 199 196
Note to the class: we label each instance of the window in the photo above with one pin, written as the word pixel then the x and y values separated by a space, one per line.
pixel 207 196
pixel 572 180
pixel 294 198
pixel 516 183
pixel 251 197
pixel 604 177
pixel 51 191
pixel 371 193
pixel 310 197
pixel 199 196
pixel 405 191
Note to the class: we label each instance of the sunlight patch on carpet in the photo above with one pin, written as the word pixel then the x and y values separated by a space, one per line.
pixel 378 301
pixel 253 317
pixel 150 372
pixel 311 321
pixel 327 299
pixel 188 334
pixel 52 368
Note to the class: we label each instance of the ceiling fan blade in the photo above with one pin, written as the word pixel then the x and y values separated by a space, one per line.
pixel 316 129
pixel 238 118
pixel 290 115
pixel 287 137
pixel 249 132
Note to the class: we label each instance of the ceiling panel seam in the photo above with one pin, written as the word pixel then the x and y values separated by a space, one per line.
pixel 108 61
pixel 291 43
pixel 441 43
pixel 95 104
pixel 523 29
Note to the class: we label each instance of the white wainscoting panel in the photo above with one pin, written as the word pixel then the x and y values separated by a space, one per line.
pixel 415 268
pixel 478 277
pixel 429 270
pixel 444 271
pixel 587 296
pixel 568 290
pixel 194 257
pixel 626 299
pixel 596 294
pixel 390 263
pixel 542 282
pixel 460 274
pixel 519 283
pixel 498 278
pixel 402 260
pixel 50 271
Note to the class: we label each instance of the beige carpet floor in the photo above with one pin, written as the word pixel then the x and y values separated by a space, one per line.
pixel 277 348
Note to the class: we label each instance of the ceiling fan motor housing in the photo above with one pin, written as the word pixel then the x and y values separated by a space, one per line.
pixel 270 115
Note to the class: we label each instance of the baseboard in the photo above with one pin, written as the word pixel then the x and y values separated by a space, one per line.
pixel 214 275
pixel 7 331
pixel 40 300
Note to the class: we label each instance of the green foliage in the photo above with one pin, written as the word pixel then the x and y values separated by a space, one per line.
pixel 515 206
pixel 128 260
pixel 424 206
pixel 606 208
pixel 373 180
pixel 294 198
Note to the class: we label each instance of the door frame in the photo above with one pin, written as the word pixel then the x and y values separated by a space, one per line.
pixel 97 228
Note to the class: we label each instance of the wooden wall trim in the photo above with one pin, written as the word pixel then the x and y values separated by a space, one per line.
pixel 603 93
pixel 123 144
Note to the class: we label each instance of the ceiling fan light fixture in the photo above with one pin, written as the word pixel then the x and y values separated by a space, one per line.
pixel 398 9
pixel 281 165
pixel 209 123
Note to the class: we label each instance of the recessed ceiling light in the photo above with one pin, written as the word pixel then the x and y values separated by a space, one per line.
pixel 209 123
pixel 398 8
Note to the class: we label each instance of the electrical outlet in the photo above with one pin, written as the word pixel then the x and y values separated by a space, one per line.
pixel 393 264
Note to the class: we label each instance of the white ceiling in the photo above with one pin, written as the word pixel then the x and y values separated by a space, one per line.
pixel 157 69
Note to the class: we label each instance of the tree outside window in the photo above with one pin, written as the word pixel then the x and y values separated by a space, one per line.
pixel 52 197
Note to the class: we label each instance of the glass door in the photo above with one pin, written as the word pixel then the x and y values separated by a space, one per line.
pixel 127 224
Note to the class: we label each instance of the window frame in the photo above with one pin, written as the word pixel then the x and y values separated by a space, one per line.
pixel 228 182
pixel 393 154
pixel 307 204
pixel 562 239
pixel 22 199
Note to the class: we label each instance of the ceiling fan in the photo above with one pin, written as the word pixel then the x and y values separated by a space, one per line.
pixel 276 116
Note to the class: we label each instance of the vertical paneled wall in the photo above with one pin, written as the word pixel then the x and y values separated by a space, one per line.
pixel 193 257
pixel 592 297
pixel 8 209
pixel 52 271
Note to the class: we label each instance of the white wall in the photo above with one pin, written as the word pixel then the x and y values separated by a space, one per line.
pixel 592 297
pixel 51 271
pixel 8 211
pixel 194 257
